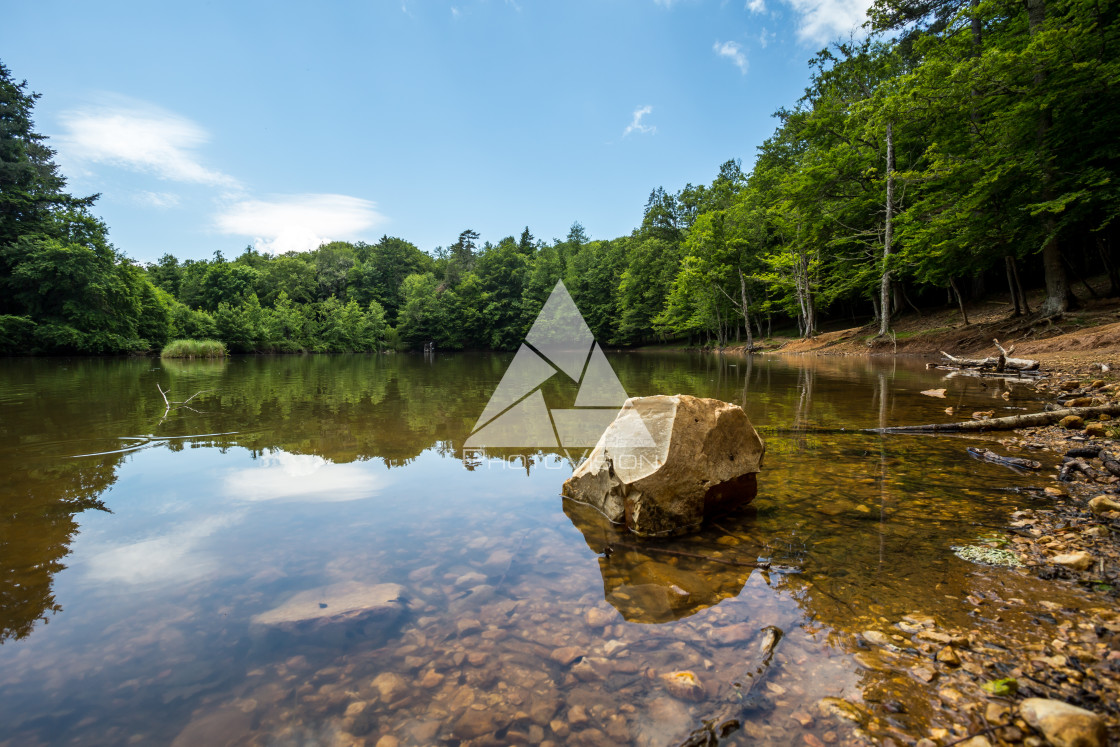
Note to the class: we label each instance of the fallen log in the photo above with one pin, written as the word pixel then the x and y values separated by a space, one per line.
pixel 1007 461
pixel 999 363
pixel 1003 424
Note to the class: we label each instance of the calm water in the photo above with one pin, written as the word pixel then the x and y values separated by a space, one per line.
pixel 129 577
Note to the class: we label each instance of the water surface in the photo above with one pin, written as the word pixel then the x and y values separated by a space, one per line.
pixel 137 544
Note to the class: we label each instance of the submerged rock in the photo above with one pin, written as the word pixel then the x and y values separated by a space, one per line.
pixel 666 462
pixel 338 611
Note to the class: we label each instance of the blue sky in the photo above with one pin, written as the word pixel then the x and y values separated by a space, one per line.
pixel 283 124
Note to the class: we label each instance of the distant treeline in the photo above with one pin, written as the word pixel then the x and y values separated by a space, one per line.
pixel 960 143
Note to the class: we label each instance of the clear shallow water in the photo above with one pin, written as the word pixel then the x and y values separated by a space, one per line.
pixel 128 580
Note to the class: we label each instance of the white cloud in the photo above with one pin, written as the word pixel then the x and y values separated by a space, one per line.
pixel 756 6
pixel 765 37
pixel 732 51
pixel 174 557
pixel 160 200
pixel 298 222
pixel 140 137
pixel 636 123
pixel 284 476
pixel 824 20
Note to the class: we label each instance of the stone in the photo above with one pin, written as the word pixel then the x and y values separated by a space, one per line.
pixel 565 655
pixel 390 687
pixel 876 638
pixel 1062 724
pixel 1096 430
pixel 683 685
pixel 667 462
pixel 1097 531
pixel 475 721
pixel 388 741
pixel 728 635
pixel 948 655
pixel 1078 561
pixel 1103 503
pixel 337 604
pixel 222 726
pixel 1072 422
pixel 597 618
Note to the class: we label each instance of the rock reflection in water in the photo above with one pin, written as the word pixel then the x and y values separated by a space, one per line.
pixel 655 581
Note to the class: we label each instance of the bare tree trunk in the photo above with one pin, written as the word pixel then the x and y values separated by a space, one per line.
pixel 1011 284
pixel 960 301
pixel 746 307
pixel 888 236
pixel 1019 285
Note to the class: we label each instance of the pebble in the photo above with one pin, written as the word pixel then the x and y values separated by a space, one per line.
pixel 1078 561
pixel 565 655
pixel 684 685
pixel 390 686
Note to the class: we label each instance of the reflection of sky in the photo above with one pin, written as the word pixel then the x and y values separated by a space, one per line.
pixel 282 476
pixel 182 503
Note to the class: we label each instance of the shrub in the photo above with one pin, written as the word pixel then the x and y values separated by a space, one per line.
pixel 194 349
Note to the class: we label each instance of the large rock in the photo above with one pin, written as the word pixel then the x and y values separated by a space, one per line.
pixel 1064 725
pixel 333 614
pixel 666 462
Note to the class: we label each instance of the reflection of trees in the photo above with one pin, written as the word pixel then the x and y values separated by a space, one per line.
pixel 38 523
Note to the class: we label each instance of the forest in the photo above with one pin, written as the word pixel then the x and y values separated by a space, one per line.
pixel 956 147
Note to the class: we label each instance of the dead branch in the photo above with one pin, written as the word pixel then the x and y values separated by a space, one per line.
pixel 1003 424
pixel 1013 462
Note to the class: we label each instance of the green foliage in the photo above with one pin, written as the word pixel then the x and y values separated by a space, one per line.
pixel 1002 122
pixel 193 349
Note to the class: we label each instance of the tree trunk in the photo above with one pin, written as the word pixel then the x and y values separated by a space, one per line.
pixel 1109 266
pixel 888 237
pixel 1011 284
pixel 1019 285
pixel 960 301
pixel 746 307
pixel 1057 285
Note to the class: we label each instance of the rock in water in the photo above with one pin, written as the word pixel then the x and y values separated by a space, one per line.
pixel 340 610
pixel 1064 725
pixel 666 462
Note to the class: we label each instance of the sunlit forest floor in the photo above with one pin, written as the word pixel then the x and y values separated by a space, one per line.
pixel 1086 335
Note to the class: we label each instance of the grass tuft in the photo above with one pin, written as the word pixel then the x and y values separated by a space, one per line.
pixel 193 349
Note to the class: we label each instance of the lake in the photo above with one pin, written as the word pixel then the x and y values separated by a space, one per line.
pixel 140 547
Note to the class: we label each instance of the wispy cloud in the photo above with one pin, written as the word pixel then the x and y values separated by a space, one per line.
pixel 298 222
pixel 159 200
pixel 824 20
pixel 636 123
pixel 140 137
pixel 756 6
pixel 765 37
pixel 732 51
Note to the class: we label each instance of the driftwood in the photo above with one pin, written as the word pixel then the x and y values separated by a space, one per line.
pixel 1003 424
pixel 1111 463
pixel 1012 462
pixel 1000 363
pixel 1074 465
pixel 728 719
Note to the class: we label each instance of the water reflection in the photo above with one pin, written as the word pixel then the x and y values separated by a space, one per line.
pixel 662 580
pixel 351 470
